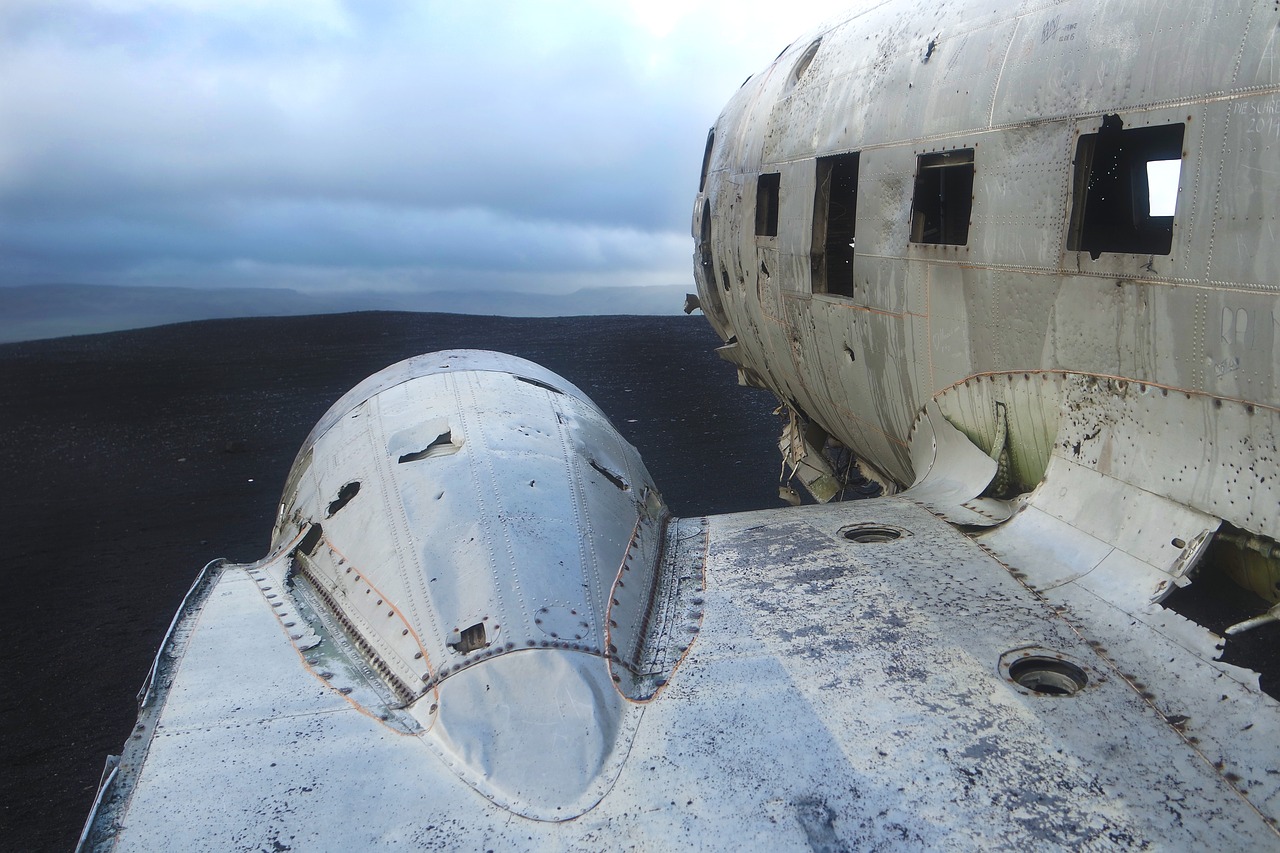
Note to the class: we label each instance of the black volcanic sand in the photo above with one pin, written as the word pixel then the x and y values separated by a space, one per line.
pixel 131 459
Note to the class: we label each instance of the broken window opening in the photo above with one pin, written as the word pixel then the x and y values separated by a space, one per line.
pixel 943 198
pixel 444 439
pixel 767 187
pixel 616 479
pixel 803 63
pixel 470 639
pixel 311 541
pixel 1126 189
pixel 835 208
pixel 537 384
pixel 345 494
pixel 706 159
pixel 704 243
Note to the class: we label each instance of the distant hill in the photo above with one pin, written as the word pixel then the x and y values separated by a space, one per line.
pixel 33 312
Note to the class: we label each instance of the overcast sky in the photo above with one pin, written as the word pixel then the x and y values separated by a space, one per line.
pixel 371 145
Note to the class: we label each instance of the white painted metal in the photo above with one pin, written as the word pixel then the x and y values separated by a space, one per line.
pixel 840 695
pixel 491 508
pixel 1177 349
pixel 789 678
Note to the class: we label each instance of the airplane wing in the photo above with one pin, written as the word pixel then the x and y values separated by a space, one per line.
pixel 500 640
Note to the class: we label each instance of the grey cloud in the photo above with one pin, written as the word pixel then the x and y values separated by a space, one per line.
pixel 409 141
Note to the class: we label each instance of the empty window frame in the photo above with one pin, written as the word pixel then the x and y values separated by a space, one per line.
pixel 943 198
pixel 835 208
pixel 706 159
pixel 767 205
pixel 1126 185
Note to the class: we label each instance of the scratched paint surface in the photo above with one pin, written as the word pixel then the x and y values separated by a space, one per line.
pixel 840 695
pixel 1018 84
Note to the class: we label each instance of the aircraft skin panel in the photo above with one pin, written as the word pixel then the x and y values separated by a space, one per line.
pixel 837 695
pixel 1048 277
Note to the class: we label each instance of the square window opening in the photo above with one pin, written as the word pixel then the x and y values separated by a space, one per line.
pixel 1126 189
pixel 943 198
pixel 767 204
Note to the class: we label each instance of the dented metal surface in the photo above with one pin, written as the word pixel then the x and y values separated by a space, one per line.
pixel 848 691
pixel 478 626
pixel 1017 86
pixel 1084 367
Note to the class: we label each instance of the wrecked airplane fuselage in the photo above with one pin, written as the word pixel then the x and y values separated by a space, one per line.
pixel 1050 230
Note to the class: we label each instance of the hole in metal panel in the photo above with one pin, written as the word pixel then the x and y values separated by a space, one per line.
pixel 1047 675
pixel 345 494
pixel 471 639
pixel 767 188
pixel 311 540
pixel 943 199
pixel 1125 189
pixel 805 60
pixel 835 207
pixel 534 382
pixel 867 533
pixel 616 479
pixel 444 439
pixel 706 159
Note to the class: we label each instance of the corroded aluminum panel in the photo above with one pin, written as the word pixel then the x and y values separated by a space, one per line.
pixel 951 472
pixel 1154 439
pixel 1110 594
pixel 893 82
pixel 460 508
pixel 841 694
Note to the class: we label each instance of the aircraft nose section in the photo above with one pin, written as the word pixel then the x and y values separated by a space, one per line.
pixel 541 732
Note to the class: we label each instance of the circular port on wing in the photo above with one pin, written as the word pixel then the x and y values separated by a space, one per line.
pixel 866 533
pixel 1050 676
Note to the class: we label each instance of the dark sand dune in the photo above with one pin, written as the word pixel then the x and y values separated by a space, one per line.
pixel 133 458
